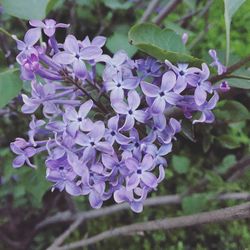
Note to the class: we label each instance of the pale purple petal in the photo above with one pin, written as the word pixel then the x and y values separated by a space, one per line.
pixel 64 58
pixel 90 53
pixel 168 81
pixel 72 188
pixel 140 116
pixel 120 107
pixel 132 182
pixel 200 95
pixel 72 128
pixel 129 123
pixel 130 83
pixel 105 147
pixel 97 131
pixel 99 41
pixel 71 45
pixel 71 114
pixel 133 99
pixel 131 164
pixel 147 162
pixel 79 68
pixel 172 98
pixel 49 31
pixel 32 36
pixel 149 90
pixel 158 106
pixel 82 139
pixel 149 179
pixel 19 161
pixel 37 23
pixel 117 94
pixel 85 108
pixel 95 199
pixel 113 122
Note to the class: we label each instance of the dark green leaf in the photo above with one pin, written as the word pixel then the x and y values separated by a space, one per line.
pixel 195 203
pixel 227 162
pixel 231 111
pixel 118 4
pixel 26 9
pixel 229 141
pixel 10 86
pixel 187 130
pixel 119 41
pixel 231 6
pixel 181 164
pixel 161 44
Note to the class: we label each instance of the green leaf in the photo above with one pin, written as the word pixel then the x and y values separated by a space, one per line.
pixel 227 162
pixel 118 4
pixel 195 203
pixel 181 164
pixel 26 9
pixel 10 86
pixel 231 111
pixel 229 141
pixel 188 130
pixel 161 44
pixel 231 6
pixel 118 41
pixel 240 83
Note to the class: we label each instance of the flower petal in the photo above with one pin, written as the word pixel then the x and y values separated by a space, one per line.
pixel 200 95
pixel 133 99
pixel 71 45
pixel 132 182
pixel 158 106
pixel 149 179
pixel 168 81
pixel 64 58
pixel 85 108
pixel 150 90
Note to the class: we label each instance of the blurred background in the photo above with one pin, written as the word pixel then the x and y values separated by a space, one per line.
pixel 206 152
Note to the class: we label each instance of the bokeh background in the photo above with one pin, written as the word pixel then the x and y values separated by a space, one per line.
pixel 205 152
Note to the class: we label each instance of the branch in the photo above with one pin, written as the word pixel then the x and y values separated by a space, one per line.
pixel 155 201
pixel 230 69
pixel 216 216
pixel 171 6
pixel 151 7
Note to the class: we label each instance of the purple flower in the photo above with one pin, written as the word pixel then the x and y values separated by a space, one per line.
pixel 92 140
pixel 118 84
pixel 216 63
pixel 98 41
pixel 73 54
pixel 24 153
pixel 130 110
pixel 224 86
pixel 112 134
pixel 49 26
pixel 140 172
pixel 30 39
pixel 199 80
pixel 60 172
pixel 162 94
pixel 34 128
pixel 77 120
pixel 124 195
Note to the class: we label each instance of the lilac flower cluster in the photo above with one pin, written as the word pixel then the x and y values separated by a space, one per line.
pixel 104 135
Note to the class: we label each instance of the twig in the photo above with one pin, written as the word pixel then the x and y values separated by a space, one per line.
pixel 151 7
pixel 230 69
pixel 216 216
pixel 155 201
pixel 171 6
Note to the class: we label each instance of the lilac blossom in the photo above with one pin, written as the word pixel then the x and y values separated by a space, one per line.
pixel 49 26
pixel 162 94
pixel 105 134
pixel 130 110
pixel 216 63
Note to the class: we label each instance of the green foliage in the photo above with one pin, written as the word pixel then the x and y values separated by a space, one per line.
pixel 28 9
pixel 10 85
pixel 118 4
pixel 231 6
pixel 161 44
pixel 118 41
pixel 195 203
pixel 231 111
pixel 181 164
